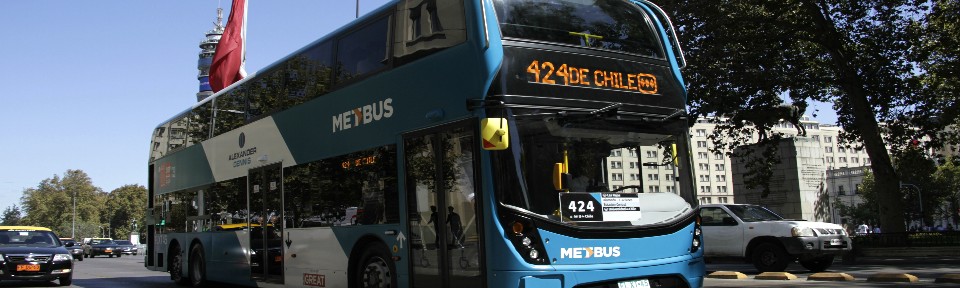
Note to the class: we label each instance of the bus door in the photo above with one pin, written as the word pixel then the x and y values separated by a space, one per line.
pixel 442 204
pixel 266 223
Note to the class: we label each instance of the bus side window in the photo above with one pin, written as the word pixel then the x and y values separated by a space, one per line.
pixel 363 51
pixel 426 26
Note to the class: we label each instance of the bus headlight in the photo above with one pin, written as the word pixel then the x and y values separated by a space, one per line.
pixel 697 235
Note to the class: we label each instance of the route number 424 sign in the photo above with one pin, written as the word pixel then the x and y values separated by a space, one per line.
pixel 599 206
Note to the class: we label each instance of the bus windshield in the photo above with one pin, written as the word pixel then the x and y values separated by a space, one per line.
pixel 605 24
pixel 603 159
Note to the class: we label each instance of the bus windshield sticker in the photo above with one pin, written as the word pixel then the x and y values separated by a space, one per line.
pixel 599 206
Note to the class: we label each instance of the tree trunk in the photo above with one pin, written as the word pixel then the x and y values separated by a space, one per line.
pixel 852 85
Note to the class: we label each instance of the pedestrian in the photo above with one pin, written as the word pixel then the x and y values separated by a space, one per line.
pixel 876 229
pixel 456 227
pixel 863 229
pixel 436 225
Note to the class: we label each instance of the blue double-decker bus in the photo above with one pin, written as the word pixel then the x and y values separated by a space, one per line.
pixel 441 143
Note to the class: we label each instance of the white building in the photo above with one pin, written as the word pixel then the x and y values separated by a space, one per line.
pixel 713 173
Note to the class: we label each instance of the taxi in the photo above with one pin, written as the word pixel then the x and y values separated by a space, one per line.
pixel 34 253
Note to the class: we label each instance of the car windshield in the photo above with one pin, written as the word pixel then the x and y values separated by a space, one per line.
pixel 101 242
pixel 123 242
pixel 753 213
pixel 28 239
pixel 625 166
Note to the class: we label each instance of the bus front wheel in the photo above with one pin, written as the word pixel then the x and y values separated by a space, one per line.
pixel 376 268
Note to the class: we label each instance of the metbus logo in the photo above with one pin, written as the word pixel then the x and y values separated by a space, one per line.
pixel 363 115
pixel 590 252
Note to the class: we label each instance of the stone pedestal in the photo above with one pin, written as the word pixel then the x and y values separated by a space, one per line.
pixel 797 189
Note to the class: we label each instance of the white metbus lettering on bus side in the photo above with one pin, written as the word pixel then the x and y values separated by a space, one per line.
pixel 363 115
pixel 590 252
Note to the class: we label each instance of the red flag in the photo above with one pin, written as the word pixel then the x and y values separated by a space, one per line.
pixel 228 61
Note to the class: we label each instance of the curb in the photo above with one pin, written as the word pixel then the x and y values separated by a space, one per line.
pixel 892 277
pixel 727 275
pixel 827 276
pixel 775 276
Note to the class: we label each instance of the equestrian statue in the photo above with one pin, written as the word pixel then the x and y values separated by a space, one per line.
pixel 763 118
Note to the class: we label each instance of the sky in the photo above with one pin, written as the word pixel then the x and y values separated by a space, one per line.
pixel 83 83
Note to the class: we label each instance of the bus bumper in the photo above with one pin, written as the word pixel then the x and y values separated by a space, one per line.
pixel 684 271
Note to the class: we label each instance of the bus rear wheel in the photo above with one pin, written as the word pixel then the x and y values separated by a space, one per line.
pixel 376 269
pixel 198 270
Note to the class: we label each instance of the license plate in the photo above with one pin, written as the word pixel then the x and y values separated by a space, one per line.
pixel 836 242
pixel 28 267
pixel 642 283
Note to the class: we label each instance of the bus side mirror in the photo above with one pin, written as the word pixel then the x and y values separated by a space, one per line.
pixel 495 134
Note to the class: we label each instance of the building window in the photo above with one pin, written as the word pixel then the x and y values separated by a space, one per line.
pixel 828 139
pixel 843 159
pixel 701 155
pixel 840 190
pixel 854 159
pixel 719 167
pixel 653 177
pixel 721 189
pixel 616 164
pixel 633 153
pixel 829 159
pixel 722 200
pixel 651 154
pixel 701 132
pixel 717 156
pixel 816 138
pixel 704 166
pixel 828 149
pixel 701 144
pixel 653 188
pixel 841 150
pixel 705 200
pixel 704 178
pixel 721 178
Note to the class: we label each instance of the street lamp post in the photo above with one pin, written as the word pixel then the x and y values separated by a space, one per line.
pixel 73 231
pixel 101 231
pixel 919 198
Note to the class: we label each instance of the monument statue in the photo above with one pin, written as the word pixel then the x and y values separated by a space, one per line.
pixel 763 118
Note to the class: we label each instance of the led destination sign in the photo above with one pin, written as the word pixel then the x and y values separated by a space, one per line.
pixel 546 72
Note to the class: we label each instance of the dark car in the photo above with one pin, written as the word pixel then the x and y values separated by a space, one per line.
pixel 126 247
pixel 100 246
pixel 75 250
pixel 34 253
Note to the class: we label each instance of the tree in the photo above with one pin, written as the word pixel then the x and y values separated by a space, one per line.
pixel 947 182
pixel 746 54
pixel 125 207
pixel 50 203
pixel 866 210
pixel 11 215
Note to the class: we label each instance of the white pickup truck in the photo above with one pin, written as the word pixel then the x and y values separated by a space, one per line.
pixel 758 235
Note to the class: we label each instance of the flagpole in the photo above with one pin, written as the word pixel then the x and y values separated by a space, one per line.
pixel 358 8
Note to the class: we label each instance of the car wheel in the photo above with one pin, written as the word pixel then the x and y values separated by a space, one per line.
pixel 80 258
pixel 198 268
pixel 376 269
pixel 66 280
pixel 769 257
pixel 176 266
pixel 119 255
pixel 818 264
pixel 110 256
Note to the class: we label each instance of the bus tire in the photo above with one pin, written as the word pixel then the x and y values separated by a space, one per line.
pixel 198 268
pixel 176 266
pixel 376 268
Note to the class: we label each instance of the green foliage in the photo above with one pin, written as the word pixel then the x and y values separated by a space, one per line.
pixel 11 215
pixel 867 210
pixel 50 205
pixel 889 61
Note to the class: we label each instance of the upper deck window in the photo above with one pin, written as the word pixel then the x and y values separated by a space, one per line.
pixel 606 24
